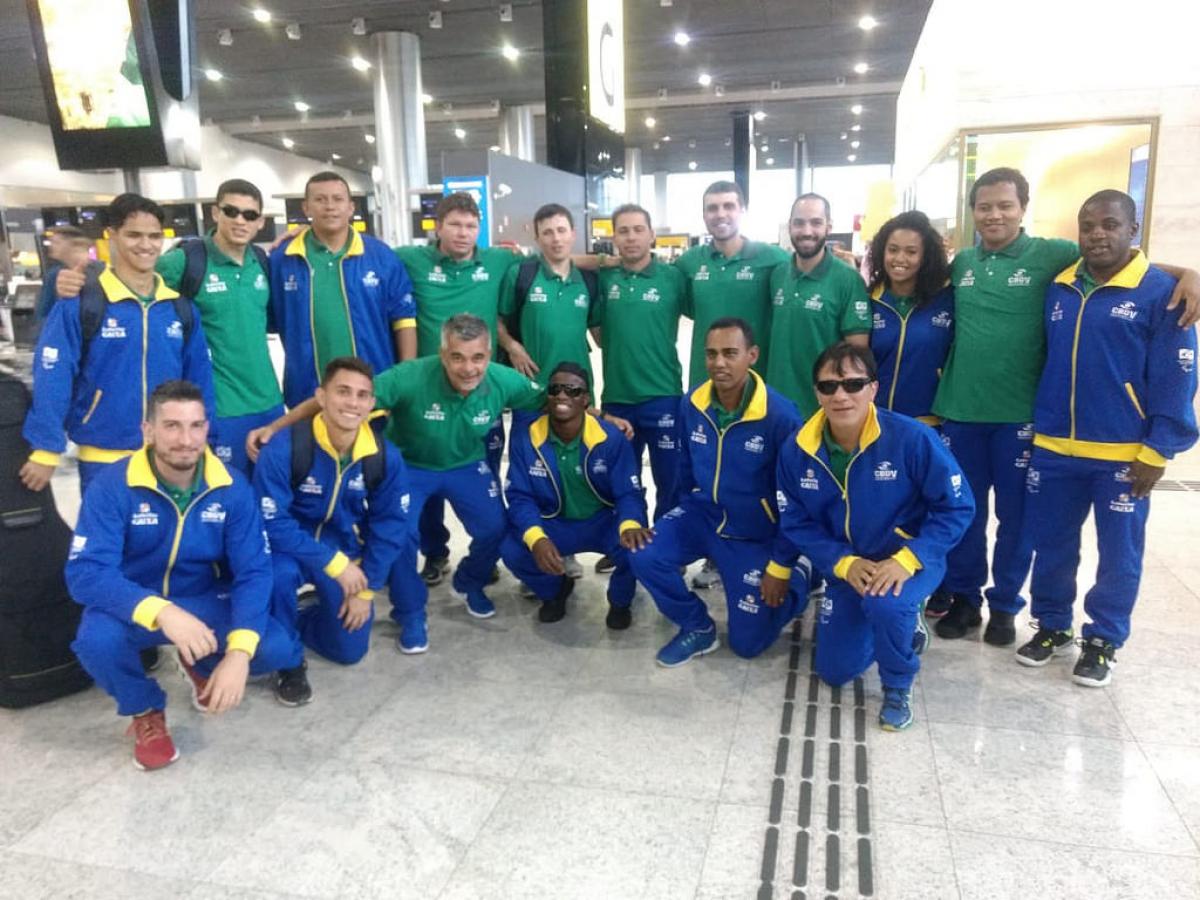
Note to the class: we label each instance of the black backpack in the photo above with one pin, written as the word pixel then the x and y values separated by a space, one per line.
pixel 38 618
pixel 526 273
pixel 304 447
pixel 195 255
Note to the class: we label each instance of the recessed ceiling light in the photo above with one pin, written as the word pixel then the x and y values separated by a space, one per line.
pixel 292 30
pixel 856 127
pixel 692 165
pixel 511 53
pixel 770 160
pixel 359 63
pixel 495 148
pixel 856 109
pixel 213 74
pixel 852 157
pixel 682 38
pixel 335 156
pixel 855 144
pixel 843 136
pixel 262 15
pixel 759 115
pixel 651 121
pixel 225 37
pixel 427 99
pixel 866 23
pixel 666 137
pixel 460 133
pixel 289 143
pixel 301 106
pixel 369 138
pixel 861 68
pixel 704 80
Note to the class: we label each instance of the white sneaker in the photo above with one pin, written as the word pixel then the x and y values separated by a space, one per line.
pixel 572 568
pixel 707 577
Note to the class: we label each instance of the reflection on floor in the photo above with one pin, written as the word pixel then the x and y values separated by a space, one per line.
pixel 523 760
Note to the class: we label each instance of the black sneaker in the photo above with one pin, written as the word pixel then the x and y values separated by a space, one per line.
pixel 604 565
pixel 961 618
pixel 1094 667
pixel 938 605
pixel 149 658
pixel 1042 646
pixel 554 610
pixel 619 617
pixel 292 687
pixel 435 570
pixel 1000 631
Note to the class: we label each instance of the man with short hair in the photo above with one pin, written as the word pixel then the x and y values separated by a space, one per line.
pixel 986 394
pixel 67 250
pixel 170 549
pixel 876 501
pixel 733 427
pixel 101 354
pixel 572 487
pixel 816 302
pixel 337 292
pixel 641 302
pixel 1113 406
pixel 454 275
pixel 334 499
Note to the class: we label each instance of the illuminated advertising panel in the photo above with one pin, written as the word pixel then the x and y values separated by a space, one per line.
pixel 606 62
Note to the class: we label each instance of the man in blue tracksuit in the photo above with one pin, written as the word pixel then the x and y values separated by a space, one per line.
pixel 170 548
pixel 101 354
pixel 732 428
pixel 1113 405
pixel 334 498
pixel 336 292
pixel 572 487
pixel 874 498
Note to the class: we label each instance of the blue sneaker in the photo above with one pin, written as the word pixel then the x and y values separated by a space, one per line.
pixel 896 713
pixel 477 601
pixel 414 636
pixel 920 640
pixel 687 644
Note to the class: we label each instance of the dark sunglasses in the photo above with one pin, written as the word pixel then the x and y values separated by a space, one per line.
pixel 232 212
pixel 569 389
pixel 851 385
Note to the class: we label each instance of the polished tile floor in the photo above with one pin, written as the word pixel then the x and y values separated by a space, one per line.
pixel 521 760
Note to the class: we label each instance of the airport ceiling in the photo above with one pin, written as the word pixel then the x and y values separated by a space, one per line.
pixel 793 60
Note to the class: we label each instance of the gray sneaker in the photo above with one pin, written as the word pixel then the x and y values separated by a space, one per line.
pixel 572 568
pixel 707 577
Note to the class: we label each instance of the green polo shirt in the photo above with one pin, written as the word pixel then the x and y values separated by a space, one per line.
pixel 555 317
pixel 330 309
pixel 992 372
pixel 839 459
pixel 233 311
pixel 639 318
pixel 444 287
pixel 578 499
pixel 435 426
pixel 181 497
pixel 809 313
pixel 723 417
pixel 719 286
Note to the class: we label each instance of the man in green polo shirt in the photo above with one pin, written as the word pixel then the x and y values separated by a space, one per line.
pixel 640 304
pixel 816 302
pixel 987 391
pixel 453 275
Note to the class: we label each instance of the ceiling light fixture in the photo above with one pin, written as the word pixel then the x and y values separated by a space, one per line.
pixel 866 23
pixel 651 121
pixel 759 115
pixel 851 158
pixel 335 156
pixel 261 15
pixel 856 127
pixel 704 80
pixel 225 37
pixel 495 148
pixel 213 74
pixel 460 133
pixel 369 138
pixel 770 160
pixel 301 106
pixel 861 68
pixel 359 63
pixel 292 30
pixel 843 136
pixel 682 38
pixel 511 53
pixel 856 109
pixel 289 143
pixel 855 144
pixel 427 99
pixel 358 26
pixel 666 137
pixel 693 165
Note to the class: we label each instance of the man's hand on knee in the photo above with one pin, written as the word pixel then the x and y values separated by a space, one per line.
pixel 352 580
pixel 773 589
pixel 547 557
pixel 860 574
pixel 227 684
pixel 355 612
pixel 189 634
pixel 889 576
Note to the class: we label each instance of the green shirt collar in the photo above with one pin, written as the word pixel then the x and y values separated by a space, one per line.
pixel 313 246
pixel 1013 249
pixel 551 275
pixel 816 274
pixel 726 417
pixel 567 445
pixel 649 272
pixel 181 497
pixel 443 259
pixel 217 256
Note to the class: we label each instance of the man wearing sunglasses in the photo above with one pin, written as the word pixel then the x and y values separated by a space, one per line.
pixel 732 428
pixel 875 499
pixel 226 276
pixel 572 488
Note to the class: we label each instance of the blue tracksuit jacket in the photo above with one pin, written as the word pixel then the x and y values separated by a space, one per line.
pixel 1120 373
pixel 905 496
pixel 133 550
pixel 331 517
pixel 534 485
pixel 378 295
pixel 911 350
pixel 734 470
pixel 98 399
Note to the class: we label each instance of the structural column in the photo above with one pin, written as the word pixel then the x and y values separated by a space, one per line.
pixel 660 199
pixel 633 175
pixel 516 132
pixel 743 150
pixel 800 163
pixel 399 130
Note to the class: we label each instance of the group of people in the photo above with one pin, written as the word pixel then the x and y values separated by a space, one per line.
pixel 834 432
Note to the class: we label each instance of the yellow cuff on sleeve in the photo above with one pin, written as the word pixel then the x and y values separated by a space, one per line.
pixel 533 535
pixel 401 324
pixel 337 565
pixel 146 612
pixel 45 458
pixel 842 569
pixel 775 570
pixel 629 525
pixel 1147 455
pixel 242 639
pixel 908 559
pixel 366 595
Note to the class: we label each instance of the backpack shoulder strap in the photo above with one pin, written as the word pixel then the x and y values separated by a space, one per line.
pixel 91 310
pixel 183 309
pixel 592 282
pixel 261 255
pixel 526 272
pixel 374 467
pixel 195 256
pixel 303 448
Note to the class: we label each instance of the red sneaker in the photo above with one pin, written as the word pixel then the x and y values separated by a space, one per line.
pixel 152 747
pixel 196 682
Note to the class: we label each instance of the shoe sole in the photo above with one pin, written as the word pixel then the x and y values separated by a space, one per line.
pixel 675 665
pixel 137 765
pixel 1091 682
pixel 957 636
pixel 463 597
pixel 292 704
pixel 1038 663
pixel 705 583
pixel 890 727
pixel 412 651
pixel 1008 640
